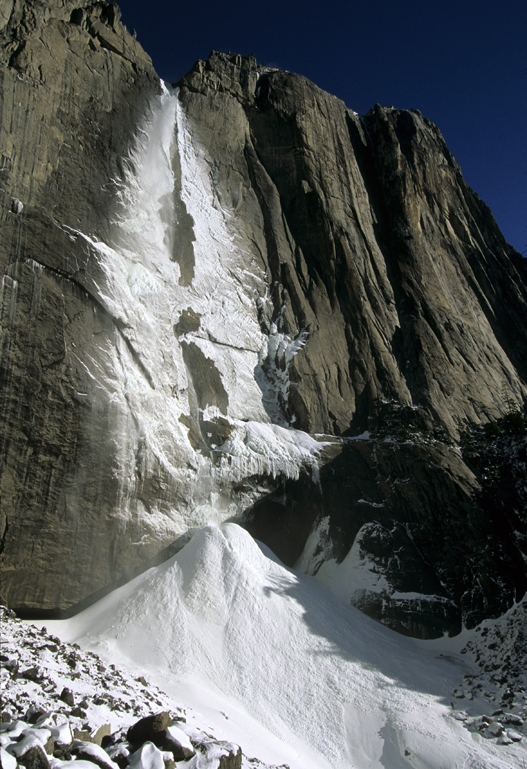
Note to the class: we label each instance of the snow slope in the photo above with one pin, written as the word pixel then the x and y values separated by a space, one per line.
pixel 276 662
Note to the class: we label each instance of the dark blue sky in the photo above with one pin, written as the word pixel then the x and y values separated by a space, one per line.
pixel 462 63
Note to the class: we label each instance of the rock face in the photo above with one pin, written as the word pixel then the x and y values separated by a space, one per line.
pixel 241 300
pixel 376 246
pixel 73 85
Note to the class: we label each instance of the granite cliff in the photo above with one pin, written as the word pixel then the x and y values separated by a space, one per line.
pixel 237 299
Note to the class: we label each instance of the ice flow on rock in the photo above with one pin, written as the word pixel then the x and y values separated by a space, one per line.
pixel 185 290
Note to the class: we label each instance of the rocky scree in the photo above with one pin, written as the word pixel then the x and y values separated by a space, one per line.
pixel 493 701
pixel 61 706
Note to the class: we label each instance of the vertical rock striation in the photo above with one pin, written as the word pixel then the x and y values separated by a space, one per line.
pixel 377 248
pixel 74 84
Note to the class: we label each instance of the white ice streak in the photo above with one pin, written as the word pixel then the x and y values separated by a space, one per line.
pixel 276 356
pixel 254 448
pixel 138 371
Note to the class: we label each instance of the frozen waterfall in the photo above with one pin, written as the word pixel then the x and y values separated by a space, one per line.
pixel 182 375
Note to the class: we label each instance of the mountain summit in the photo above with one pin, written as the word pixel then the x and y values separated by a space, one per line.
pixel 234 299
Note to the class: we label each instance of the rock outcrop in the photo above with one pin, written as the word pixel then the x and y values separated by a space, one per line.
pixel 74 86
pixel 242 300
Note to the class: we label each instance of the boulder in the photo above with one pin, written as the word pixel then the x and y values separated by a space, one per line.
pixel 7 759
pixel 99 734
pixel 150 729
pixel 178 744
pixel 33 673
pixel 34 758
pixel 231 759
pixel 66 696
pixel 148 756
pixel 88 751
pixel 31 738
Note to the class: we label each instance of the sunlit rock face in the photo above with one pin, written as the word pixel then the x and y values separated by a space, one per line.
pixel 377 247
pixel 145 379
pixel 208 291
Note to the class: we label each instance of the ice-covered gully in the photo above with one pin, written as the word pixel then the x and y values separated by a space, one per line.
pixel 63 707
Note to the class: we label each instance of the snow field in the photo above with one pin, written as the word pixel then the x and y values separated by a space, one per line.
pixel 272 654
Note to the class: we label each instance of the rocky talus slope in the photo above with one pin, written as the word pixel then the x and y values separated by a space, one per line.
pixel 240 300
pixel 60 704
